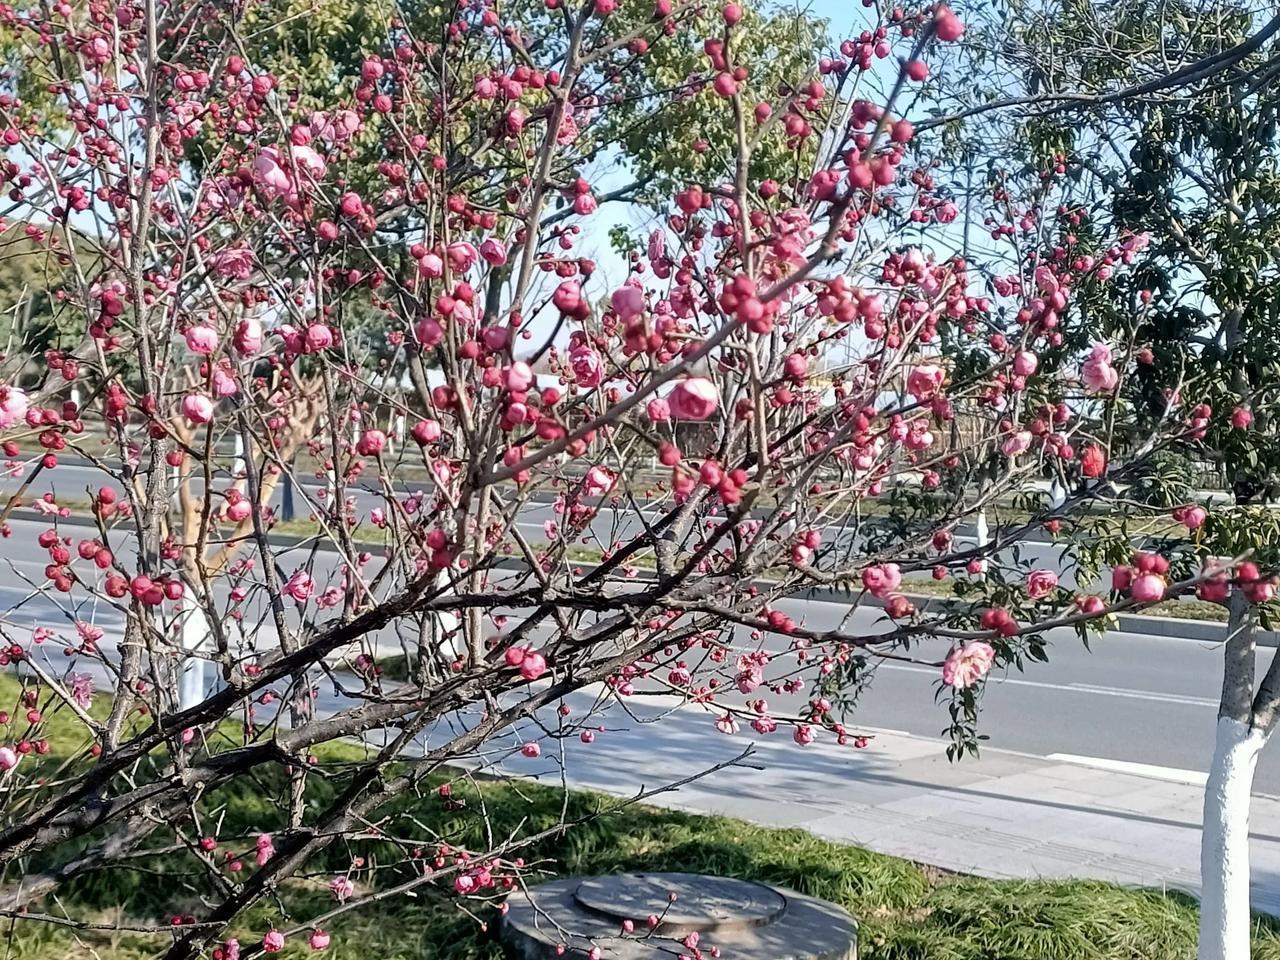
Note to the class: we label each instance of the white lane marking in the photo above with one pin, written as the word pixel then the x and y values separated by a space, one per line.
pixel 1085 688
pixel 1172 774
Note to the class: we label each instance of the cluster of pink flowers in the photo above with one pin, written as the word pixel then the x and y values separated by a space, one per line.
pixel 966 665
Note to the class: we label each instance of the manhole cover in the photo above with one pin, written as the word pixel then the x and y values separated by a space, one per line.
pixel 682 902
pixel 745 921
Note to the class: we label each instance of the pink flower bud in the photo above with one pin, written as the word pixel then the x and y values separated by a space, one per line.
pixel 248 337
pixel 319 337
pixel 627 301
pixel 519 376
pixel 197 408
pixel 694 398
pixel 371 443
pixel 1147 588
pixel 426 431
pixel 533 665
pixel 202 339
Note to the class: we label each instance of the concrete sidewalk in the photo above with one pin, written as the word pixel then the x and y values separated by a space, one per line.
pixel 1004 815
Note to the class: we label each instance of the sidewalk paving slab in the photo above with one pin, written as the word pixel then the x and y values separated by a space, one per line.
pixel 1002 815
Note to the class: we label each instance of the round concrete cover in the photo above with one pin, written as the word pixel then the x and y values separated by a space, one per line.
pixel 746 921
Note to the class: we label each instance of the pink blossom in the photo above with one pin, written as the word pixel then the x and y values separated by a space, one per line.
pixel 350 204
pixel 231 949
pixel 269 176
pixel 627 301
pixel 428 331
pixel 658 410
pixel 657 246
pixel 727 724
pixel 947 26
pixel 89 632
pixel 1147 588
pixel 568 297
pixel 80 686
pixel 319 940
pixel 224 381
pixel 588 369
pixel 1016 443
pixel 319 337
pixel 300 586
pixel 882 579
pixel 1090 604
pixel 694 398
pixel 599 480
pixel 1194 517
pixel 494 252
pixel 924 381
pixel 372 443
pixel 306 159
pixel 8 759
pixel 462 256
pixel 430 265
pixel 273 942
pixel 201 339
pixel 342 126
pixel 266 849
pixel 1097 372
pixel 341 888
pixel 248 337
pixel 197 408
pixel 532 665
pixel 519 376
pixel 968 664
pixel 234 263
pixel 803 734
pixel 13 406
pixel 426 431
pixel 1025 363
pixel 1045 280
pixel 1041 583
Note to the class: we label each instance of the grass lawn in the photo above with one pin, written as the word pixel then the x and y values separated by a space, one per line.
pixel 906 911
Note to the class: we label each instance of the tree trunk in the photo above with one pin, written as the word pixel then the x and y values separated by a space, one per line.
pixel 1224 842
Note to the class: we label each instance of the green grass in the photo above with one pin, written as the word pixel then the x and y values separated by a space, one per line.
pixel 906 911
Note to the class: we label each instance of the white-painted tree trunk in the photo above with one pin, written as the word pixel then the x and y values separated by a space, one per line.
pixel 1224 843
pixel 193 684
pixel 238 468
pixel 981 534
pixel 1057 494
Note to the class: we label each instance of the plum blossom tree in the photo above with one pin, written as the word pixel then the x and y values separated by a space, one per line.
pixel 790 388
